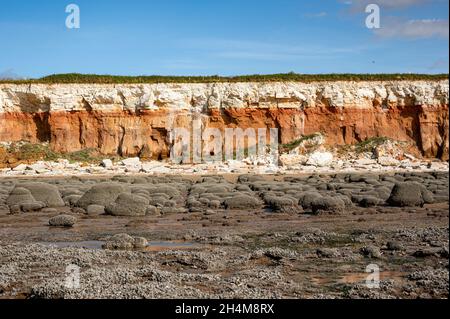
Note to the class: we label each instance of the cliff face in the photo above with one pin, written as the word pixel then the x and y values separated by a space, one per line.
pixel 136 118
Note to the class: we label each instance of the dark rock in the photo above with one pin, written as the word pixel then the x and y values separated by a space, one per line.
pixel 284 204
pixel 46 193
pixel 95 210
pixel 101 194
pixel 62 221
pixel 20 195
pixel 331 205
pixel 307 198
pixel 394 245
pixel 128 204
pixel 406 194
pixel 369 201
pixel 370 252
pixel 32 206
pixel 242 202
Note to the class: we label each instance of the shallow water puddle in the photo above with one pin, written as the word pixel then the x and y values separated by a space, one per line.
pixel 168 245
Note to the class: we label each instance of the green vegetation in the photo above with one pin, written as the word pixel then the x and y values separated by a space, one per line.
pixel 84 156
pixel 294 77
pixel 290 146
pixel 33 152
pixel 27 151
pixel 370 143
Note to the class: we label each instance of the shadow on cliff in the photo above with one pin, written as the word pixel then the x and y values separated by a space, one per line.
pixel 39 108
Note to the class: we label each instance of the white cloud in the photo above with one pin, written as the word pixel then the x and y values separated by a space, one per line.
pixel 413 29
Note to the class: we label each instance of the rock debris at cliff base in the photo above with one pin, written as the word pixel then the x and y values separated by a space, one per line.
pixel 309 236
pixel 307 154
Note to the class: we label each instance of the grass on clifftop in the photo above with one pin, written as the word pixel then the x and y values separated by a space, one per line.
pixel 293 77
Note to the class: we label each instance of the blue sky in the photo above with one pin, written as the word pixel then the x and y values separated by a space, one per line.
pixel 232 37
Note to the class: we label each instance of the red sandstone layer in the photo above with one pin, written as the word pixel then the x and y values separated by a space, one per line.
pixel 128 133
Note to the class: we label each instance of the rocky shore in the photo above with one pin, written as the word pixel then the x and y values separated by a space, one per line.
pixel 307 154
pixel 135 167
pixel 230 236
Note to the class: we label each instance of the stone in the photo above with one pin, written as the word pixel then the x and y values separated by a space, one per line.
pixel 128 204
pixel 157 201
pixel 320 159
pixel 101 194
pixel 32 206
pixel 406 194
pixel 133 169
pixel 234 164
pixel 283 204
pixel 437 166
pixel 140 242
pixel 133 161
pixel 72 199
pixel 152 210
pixel 327 252
pixel 19 195
pixel 370 252
pixel 119 242
pixel 79 211
pixel 173 210
pixel 394 245
pixel 214 204
pixel 62 221
pixel 46 193
pixel 38 167
pixel 388 161
pixel 369 201
pixel 107 163
pixel 95 170
pixel 148 167
pixel 306 199
pixel 124 241
pixel 427 196
pixel 365 161
pixel 242 202
pixel 20 168
pixel 14 209
pixel 95 210
pixel 330 205
pixel 161 170
pixel 288 160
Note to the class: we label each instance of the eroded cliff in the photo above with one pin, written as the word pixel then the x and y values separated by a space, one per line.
pixel 135 119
